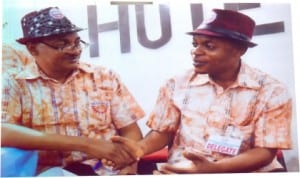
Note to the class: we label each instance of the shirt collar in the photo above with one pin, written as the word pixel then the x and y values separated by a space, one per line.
pixel 248 78
pixel 31 71
pixel 198 79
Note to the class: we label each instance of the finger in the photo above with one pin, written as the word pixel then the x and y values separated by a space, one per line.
pixel 165 170
pixel 124 159
pixel 193 156
pixel 118 139
pixel 156 172
pixel 129 153
pixel 104 161
pixel 123 172
pixel 169 169
pixel 107 162
pixel 131 146
pixel 123 155
pixel 129 170
pixel 117 162
pixel 110 163
pixel 118 166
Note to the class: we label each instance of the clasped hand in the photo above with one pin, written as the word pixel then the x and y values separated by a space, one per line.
pixel 122 152
pixel 114 154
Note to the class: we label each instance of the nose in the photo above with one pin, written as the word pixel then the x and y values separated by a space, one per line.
pixel 74 51
pixel 196 51
pixel 193 51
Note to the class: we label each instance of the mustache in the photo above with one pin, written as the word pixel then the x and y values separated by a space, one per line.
pixel 71 56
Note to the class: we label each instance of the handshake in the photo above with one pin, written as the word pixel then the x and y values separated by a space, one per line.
pixel 129 152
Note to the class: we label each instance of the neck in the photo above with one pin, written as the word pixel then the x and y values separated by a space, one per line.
pixel 227 78
pixel 224 83
pixel 58 75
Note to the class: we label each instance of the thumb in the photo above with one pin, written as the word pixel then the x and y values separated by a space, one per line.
pixel 130 144
pixel 118 139
pixel 193 156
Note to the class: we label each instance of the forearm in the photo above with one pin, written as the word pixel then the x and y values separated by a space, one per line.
pixel 26 138
pixel 132 132
pixel 155 141
pixel 248 161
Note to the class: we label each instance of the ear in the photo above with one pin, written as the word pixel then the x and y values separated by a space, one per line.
pixel 240 48
pixel 32 48
pixel 243 50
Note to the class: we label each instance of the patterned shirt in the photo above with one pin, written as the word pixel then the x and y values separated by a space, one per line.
pixel 14 60
pixel 92 102
pixel 258 108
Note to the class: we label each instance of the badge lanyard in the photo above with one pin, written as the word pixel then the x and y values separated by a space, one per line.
pixel 224 143
pixel 186 101
pixel 228 142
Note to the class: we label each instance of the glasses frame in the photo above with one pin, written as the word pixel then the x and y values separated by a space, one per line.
pixel 81 45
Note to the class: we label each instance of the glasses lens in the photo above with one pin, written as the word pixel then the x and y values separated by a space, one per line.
pixel 80 45
pixel 83 44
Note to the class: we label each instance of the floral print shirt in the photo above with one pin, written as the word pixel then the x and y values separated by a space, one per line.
pixel 93 102
pixel 256 106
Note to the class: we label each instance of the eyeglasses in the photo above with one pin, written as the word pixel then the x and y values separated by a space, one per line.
pixel 68 47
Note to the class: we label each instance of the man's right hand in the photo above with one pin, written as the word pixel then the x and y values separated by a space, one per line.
pixel 131 146
pixel 115 154
pixel 128 149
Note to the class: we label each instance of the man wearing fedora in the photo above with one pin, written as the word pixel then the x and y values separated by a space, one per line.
pixel 222 115
pixel 71 108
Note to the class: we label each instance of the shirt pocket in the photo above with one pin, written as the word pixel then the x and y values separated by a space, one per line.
pixel 100 113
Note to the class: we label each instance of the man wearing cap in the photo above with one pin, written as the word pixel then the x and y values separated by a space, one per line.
pixel 222 115
pixel 75 107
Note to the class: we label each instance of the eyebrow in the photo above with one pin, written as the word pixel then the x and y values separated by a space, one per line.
pixel 58 39
pixel 204 40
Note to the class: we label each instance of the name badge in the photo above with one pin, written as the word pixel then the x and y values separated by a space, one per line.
pixel 223 144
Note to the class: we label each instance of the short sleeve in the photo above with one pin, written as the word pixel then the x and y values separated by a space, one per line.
pixel 125 109
pixel 165 115
pixel 14 60
pixel 273 128
pixel 11 104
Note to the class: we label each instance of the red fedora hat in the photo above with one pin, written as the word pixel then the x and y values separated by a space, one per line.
pixel 228 24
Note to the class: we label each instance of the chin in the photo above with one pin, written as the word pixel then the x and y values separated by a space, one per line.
pixel 199 71
pixel 74 65
pixel 70 68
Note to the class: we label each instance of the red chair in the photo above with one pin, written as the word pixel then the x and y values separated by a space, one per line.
pixel 281 160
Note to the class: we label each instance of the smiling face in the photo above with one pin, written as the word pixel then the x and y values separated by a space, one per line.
pixel 215 56
pixel 59 54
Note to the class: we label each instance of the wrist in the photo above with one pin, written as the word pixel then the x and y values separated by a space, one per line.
pixel 219 167
pixel 141 151
pixel 85 145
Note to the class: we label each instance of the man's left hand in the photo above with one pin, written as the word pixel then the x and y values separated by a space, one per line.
pixel 199 165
